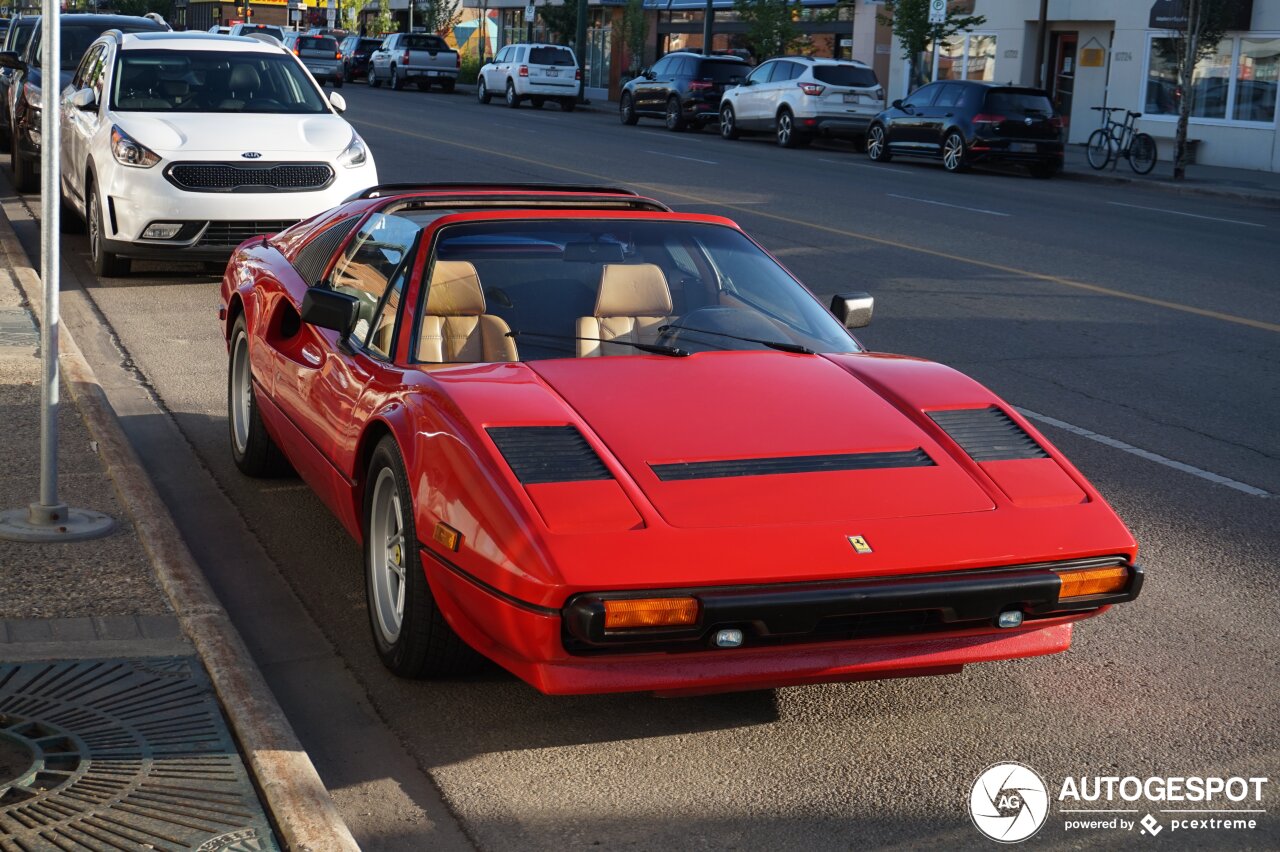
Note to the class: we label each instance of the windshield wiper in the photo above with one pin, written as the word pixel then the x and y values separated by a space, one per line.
pixel 655 348
pixel 781 346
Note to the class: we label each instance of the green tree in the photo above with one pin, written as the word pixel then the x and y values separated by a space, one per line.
pixel 771 25
pixel 561 21
pixel 910 20
pixel 383 22
pixel 1207 22
pixel 436 16
pixel 349 14
pixel 631 33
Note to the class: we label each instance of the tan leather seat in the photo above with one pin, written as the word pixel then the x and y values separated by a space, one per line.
pixel 633 303
pixel 455 327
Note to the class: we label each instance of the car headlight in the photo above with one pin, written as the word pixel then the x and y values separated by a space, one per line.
pixel 129 152
pixel 356 154
pixel 31 94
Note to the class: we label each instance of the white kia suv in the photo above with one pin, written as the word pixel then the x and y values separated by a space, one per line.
pixel 799 97
pixel 184 145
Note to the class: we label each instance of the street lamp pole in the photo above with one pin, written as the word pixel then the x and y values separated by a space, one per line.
pixel 49 519
pixel 708 17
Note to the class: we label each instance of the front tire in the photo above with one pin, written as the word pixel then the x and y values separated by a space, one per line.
pixel 1142 153
pixel 728 122
pixel 252 449
pixel 105 264
pixel 409 632
pixel 372 79
pixel 878 144
pixel 397 82
pixel 482 92
pixel 675 115
pixel 953 154
pixel 1098 149
pixel 513 100
pixel 627 110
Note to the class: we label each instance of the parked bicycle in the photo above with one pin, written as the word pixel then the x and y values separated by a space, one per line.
pixel 1117 139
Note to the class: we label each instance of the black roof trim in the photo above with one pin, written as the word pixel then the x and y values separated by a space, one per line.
pixel 384 189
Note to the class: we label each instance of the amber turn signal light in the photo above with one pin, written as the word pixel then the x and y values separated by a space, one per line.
pixel 650 612
pixel 1093 581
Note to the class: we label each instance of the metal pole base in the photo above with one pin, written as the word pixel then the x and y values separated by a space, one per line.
pixel 41 523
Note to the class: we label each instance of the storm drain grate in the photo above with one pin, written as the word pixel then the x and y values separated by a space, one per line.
pixel 17 329
pixel 121 755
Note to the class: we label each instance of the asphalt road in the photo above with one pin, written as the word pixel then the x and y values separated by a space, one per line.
pixel 1150 320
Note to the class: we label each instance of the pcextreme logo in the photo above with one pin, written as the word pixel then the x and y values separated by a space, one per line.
pixel 1009 802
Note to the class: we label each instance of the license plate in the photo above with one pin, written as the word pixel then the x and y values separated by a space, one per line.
pixel 553 72
pixel 314 70
pixel 1022 147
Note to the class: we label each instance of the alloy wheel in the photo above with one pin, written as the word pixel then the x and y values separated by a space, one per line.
pixel 875 142
pixel 786 129
pixel 387 556
pixel 953 153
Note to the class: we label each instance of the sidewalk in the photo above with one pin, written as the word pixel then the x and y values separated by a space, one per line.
pixel 119 670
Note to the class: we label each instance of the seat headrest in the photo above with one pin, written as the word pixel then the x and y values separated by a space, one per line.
pixel 633 290
pixel 244 79
pixel 455 290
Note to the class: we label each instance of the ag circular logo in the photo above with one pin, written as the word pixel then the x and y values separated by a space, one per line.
pixel 1009 802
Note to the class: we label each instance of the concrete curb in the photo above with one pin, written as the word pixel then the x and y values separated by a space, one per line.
pixel 299 804
pixel 1266 200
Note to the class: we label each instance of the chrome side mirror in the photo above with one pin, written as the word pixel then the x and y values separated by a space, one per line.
pixel 853 309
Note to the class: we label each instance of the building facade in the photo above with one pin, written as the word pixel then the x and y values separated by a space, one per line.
pixel 1123 54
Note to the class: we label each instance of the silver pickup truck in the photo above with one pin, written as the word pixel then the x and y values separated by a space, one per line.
pixel 423 58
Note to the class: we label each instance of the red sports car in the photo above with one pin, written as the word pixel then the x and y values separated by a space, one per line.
pixel 613 447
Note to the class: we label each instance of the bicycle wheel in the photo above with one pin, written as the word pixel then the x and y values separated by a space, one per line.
pixel 1098 149
pixel 1142 153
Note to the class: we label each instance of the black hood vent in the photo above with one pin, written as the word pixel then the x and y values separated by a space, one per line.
pixel 790 464
pixel 539 454
pixel 988 434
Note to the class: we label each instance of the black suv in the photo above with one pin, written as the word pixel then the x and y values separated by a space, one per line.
pixel 962 122
pixel 682 88
pixel 77 33
pixel 356 51
pixel 15 40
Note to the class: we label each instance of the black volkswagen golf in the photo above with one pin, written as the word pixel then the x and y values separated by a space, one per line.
pixel 963 122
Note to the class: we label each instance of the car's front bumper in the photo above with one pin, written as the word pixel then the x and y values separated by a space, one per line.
pixel 793 633
pixel 134 199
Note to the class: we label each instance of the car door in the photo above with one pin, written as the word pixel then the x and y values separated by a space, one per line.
pixel 749 98
pixel 496 76
pixel 379 61
pixel 79 126
pixel 772 93
pixel 651 88
pixel 940 115
pixel 907 130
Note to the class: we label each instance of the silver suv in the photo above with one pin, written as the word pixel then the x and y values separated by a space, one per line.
pixel 799 97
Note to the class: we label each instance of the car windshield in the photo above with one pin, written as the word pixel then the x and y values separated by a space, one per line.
pixel 551 56
pixel 682 287
pixel 844 75
pixel 212 81
pixel 325 43
pixel 423 42
pixel 76 39
pixel 1018 102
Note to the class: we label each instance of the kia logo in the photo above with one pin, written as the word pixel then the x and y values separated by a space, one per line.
pixel 251 155
pixel 1029 120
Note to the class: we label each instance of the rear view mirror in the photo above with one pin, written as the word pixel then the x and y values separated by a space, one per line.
pixel 853 309
pixel 330 309
pixel 338 101
pixel 9 59
pixel 586 252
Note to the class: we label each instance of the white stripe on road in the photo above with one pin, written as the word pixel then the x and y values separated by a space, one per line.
pixel 1191 215
pixel 1145 454
pixel 869 166
pixel 678 157
pixel 945 204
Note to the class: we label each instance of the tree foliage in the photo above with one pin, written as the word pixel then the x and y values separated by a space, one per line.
pixel 436 16
pixel 631 33
pixel 911 25
pixel 561 21
pixel 771 25
pixel 383 22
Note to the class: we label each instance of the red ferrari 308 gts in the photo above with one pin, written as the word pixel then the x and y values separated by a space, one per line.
pixel 612 447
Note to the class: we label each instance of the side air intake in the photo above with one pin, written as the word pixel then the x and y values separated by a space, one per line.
pixel 988 434
pixel 790 464
pixel 539 454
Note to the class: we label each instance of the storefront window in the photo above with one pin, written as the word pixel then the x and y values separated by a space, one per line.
pixel 967 57
pixel 1238 82
pixel 1257 74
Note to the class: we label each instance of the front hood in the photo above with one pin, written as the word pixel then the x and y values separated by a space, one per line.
pixel 743 408
pixel 229 135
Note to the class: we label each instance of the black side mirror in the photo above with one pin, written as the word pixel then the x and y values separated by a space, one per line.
pixel 9 59
pixel 852 309
pixel 330 309
pixel 648 74
pixel 897 104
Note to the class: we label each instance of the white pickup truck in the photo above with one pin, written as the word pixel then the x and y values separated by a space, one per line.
pixel 421 57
